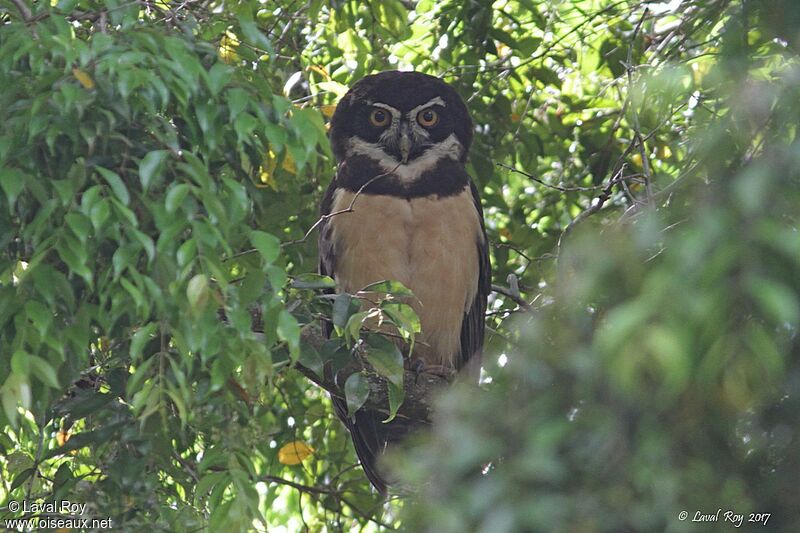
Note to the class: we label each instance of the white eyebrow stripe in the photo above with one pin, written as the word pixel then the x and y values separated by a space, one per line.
pixel 395 112
pixel 433 101
pixel 451 148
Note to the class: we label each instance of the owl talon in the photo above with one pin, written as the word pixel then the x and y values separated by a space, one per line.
pixel 416 366
pixel 443 372
pixel 419 367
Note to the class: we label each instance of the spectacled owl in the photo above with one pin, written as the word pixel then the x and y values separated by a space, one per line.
pixel 401 141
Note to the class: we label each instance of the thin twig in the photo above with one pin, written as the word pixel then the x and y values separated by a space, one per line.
pixel 348 209
pixel 637 130
pixel 325 491
pixel 597 204
pixel 566 189
pixel 37 461
pixel 499 289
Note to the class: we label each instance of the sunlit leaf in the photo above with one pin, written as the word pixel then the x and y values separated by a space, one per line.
pixel 294 452
pixel 83 78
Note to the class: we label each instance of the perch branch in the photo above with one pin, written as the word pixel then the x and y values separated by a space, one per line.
pixel 418 386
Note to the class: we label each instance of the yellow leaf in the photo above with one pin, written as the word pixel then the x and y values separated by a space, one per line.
pixel 83 78
pixel 294 452
pixel 319 70
pixel 265 177
pixel 289 164
pixel 266 173
pixel 502 49
pixel 62 437
pixel 637 160
pixel 328 110
pixel 227 47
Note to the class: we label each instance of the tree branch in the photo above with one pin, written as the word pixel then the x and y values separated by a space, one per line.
pixel 508 293
pixel 24 10
pixel 317 491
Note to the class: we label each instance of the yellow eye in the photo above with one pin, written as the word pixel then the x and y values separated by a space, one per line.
pixel 428 118
pixel 379 117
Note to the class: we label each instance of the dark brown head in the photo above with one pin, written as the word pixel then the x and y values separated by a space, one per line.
pixel 401 118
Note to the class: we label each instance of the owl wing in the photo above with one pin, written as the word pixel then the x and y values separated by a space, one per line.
pixel 474 325
pixel 370 435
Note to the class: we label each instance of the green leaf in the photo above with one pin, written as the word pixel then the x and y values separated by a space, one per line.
pixel 140 338
pixel 99 214
pixel 149 166
pixel 208 481
pixel 289 331
pixel 23 476
pixel 116 184
pixel 529 45
pixel 20 363
pixel 124 257
pixel 395 288
pixel 43 371
pixel 197 291
pixel 141 373
pixel 146 241
pixel 356 392
pixel 396 396
pixel 75 259
pixel 238 99
pixel 186 252
pixel 344 305
pixel 40 315
pixel 313 282
pixel 403 316
pixel 352 329
pixel 267 245
pixel 310 358
pixel 252 287
pixel 175 197
pixel 12 181
pixel 97 437
pixel 336 355
pixel 63 475
pixel 776 300
pixel 218 77
pixel 386 358
pixel 393 16
pixel 253 35
pixel 79 224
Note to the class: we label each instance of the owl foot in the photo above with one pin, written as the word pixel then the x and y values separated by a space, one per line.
pixel 419 366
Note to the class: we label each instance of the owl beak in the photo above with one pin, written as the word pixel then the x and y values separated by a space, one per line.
pixel 405 142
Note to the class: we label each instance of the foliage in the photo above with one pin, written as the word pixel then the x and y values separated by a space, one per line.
pixel 161 164
pixel 660 372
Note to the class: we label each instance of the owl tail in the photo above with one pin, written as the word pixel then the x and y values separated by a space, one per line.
pixel 372 437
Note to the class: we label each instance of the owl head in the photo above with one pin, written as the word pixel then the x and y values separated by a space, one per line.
pixel 401 118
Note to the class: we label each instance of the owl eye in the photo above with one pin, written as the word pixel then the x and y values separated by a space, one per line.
pixel 428 118
pixel 379 117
